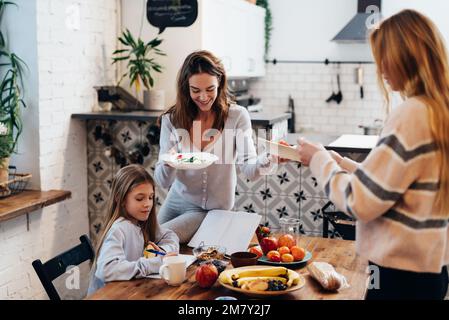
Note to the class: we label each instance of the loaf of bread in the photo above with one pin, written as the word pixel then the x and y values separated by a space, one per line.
pixel 327 276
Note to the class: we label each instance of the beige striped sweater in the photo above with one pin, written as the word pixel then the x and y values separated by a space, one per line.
pixel 391 194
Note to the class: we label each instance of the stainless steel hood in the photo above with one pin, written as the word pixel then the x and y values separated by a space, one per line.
pixel 356 31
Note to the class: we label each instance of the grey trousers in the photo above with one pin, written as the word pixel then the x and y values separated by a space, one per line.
pixel 180 216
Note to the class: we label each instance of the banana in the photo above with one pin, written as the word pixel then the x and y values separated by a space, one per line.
pixel 260 272
pixel 225 277
pixel 241 281
pixel 257 285
pixel 293 278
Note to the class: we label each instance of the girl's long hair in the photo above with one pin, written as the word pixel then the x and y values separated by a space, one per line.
pixel 184 112
pixel 410 49
pixel 126 179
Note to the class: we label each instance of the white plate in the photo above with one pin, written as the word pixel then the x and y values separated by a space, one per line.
pixel 263 294
pixel 180 161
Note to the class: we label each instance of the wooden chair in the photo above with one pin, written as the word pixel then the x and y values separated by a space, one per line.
pixel 53 268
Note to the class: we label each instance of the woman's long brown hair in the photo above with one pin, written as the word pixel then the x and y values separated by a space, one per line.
pixel 126 179
pixel 409 47
pixel 184 112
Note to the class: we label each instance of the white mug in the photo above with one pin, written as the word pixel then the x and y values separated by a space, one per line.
pixel 173 270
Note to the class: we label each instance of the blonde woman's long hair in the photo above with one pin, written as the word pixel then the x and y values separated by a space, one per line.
pixel 410 49
pixel 126 179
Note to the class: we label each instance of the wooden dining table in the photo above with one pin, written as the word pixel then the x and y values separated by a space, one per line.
pixel 340 253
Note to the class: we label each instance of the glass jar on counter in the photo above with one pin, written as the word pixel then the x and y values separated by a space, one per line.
pixel 289 226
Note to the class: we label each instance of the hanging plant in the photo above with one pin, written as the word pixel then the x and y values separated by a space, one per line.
pixel 11 69
pixel 268 23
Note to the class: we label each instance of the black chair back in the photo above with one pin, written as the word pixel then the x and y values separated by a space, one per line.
pixel 53 268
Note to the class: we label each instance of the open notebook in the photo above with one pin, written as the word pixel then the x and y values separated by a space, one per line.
pixel 230 229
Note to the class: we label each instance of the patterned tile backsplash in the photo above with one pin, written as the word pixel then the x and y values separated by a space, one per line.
pixel 291 192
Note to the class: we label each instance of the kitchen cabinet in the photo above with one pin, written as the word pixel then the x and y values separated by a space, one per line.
pixel 235 31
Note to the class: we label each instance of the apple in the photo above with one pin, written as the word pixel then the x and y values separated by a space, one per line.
pixel 287 240
pixel 268 244
pixel 206 275
pixel 298 253
pixel 274 256
pixel 257 250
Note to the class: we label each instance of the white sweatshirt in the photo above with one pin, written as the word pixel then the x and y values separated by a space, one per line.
pixel 121 255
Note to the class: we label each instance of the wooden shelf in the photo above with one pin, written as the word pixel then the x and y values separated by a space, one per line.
pixel 28 201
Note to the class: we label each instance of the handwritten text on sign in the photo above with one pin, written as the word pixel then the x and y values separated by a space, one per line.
pixel 171 13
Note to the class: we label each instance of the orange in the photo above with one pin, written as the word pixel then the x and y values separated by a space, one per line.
pixel 283 250
pixel 298 253
pixel 287 257
pixel 273 255
pixel 286 240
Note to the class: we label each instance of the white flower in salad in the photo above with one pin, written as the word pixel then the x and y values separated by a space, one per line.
pixel 3 129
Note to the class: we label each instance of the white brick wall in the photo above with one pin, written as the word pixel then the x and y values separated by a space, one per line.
pixel 71 63
pixel 310 85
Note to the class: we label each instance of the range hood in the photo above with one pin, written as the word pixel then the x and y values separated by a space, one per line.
pixel 356 31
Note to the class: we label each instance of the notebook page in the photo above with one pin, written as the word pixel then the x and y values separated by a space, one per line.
pixel 243 226
pixel 212 228
pixel 230 229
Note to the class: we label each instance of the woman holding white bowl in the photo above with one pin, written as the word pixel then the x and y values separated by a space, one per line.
pixel 204 119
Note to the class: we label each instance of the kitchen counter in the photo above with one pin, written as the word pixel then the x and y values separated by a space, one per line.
pixel 363 146
pixel 268 119
pixel 257 118
pixel 119 115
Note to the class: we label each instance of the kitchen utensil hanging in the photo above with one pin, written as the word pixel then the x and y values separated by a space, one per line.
pixel 332 96
pixel 359 80
pixel 337 97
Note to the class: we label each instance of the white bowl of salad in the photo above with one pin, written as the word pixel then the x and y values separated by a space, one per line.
pixel 190 160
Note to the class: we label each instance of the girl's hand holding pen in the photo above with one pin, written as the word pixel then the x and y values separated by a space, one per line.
pixel 152 250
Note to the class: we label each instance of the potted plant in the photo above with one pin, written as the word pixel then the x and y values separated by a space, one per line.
pixel 11 67
pixel 141 66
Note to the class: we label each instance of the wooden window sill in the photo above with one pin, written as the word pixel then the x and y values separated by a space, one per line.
pixel 28 201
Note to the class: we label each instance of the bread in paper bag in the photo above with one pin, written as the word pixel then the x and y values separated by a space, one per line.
pixel 327 276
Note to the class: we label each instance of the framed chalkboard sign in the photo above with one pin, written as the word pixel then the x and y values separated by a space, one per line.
pixel 171 13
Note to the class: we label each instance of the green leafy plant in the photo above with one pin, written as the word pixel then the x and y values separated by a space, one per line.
pixel 140 64
pixel 268 23
pixel 11 70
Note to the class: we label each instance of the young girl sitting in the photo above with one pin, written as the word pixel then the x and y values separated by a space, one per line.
pixel 131 227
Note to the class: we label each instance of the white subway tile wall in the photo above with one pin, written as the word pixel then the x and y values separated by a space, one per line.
pixel 75 42
pixel 310 85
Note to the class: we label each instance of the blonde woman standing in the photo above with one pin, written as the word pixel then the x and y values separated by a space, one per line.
pixel 400 194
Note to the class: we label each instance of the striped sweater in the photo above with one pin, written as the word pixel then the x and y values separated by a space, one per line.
pixel 391 194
